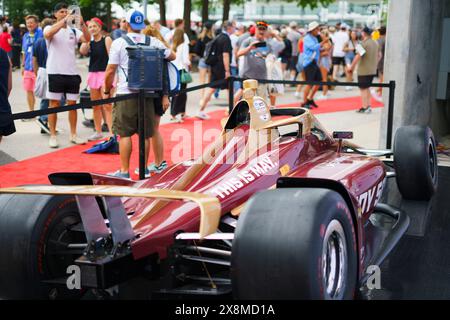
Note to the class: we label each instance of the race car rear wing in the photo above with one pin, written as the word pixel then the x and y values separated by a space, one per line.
pixel 120 227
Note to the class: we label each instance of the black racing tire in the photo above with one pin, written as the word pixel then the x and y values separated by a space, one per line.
pixel 33 228
pixel 415 163
pixel 280 241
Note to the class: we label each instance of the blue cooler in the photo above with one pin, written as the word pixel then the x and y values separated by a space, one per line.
pixel 145 67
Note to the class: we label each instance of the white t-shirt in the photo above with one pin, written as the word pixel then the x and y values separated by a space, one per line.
pixel 234 39
pixel 339 38
pixel 61 51
pixel 118 55
pixel 182 60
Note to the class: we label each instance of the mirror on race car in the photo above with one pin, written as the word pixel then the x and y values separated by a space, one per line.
pixel 343 135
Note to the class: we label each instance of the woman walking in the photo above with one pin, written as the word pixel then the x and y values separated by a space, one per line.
pixel 349 50
pixel 182 62
pixel 325 62
pixel 98 50
pixel 204 70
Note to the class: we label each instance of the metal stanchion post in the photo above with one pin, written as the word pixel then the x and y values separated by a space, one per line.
pixel 230 94
pixel 141 129
pixel 390 120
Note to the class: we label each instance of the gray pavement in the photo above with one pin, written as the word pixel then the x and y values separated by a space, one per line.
pixel 27 142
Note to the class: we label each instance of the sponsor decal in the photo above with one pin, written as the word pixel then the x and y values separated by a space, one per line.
pixel 244 178
pixel 370 198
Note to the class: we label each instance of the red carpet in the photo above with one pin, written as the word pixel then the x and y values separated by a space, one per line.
pixel 178 145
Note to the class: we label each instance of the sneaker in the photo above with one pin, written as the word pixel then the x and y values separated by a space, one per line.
pixel 53 142
pixel 88 123
pixel 28 120
pixel 146 174
pixel 322 97
pixel 179 118
pixel 119 174
pixel 105 128
pixel 43 125
pixel 297 94
pixel 202 115
pixel 158 169
pixel 306 105
pixel 348 88
pixel 153 168
pixel 77 140
pixel 365 110
pixel 312 103
pixel 96 136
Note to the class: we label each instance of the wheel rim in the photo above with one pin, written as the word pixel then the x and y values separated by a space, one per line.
pixel 334 261
pixel 58 256
pixel 432 161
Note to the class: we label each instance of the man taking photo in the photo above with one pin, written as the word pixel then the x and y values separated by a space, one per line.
pixel 63 76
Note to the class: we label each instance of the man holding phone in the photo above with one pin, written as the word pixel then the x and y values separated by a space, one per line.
pixel 255 50
pixel 63 76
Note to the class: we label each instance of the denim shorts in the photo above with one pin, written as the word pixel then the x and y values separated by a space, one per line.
pixel 349 57
pixel 202 64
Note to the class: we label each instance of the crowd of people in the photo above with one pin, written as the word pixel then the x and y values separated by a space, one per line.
pixel 257 50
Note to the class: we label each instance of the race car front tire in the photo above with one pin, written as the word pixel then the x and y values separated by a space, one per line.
pixel 295 244
pixel 415 163
pixel 33 229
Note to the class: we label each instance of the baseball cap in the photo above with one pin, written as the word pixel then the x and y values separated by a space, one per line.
pixel 136 19
pixel 262 24
pixel 97 21
pixel 293 24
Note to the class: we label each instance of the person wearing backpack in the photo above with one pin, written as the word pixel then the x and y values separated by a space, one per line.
pixel 218 53
pixel 125 113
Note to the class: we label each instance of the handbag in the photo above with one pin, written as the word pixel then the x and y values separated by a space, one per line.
pixel 185 77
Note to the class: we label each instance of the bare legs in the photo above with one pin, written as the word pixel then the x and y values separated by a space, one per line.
pixel 98 112
pixel 31 100
pixel 52 118
pixel 125 148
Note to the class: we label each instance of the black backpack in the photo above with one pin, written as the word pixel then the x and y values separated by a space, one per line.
pixel 210 55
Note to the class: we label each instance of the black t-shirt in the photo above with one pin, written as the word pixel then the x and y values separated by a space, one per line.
pixel 222 45
pixel 40 52
pixel 5 108
pixel 287 51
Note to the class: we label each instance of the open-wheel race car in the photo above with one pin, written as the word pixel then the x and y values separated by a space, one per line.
pixel 276 208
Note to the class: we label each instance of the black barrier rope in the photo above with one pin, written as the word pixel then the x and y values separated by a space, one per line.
pixel 315 83
pixel 85 105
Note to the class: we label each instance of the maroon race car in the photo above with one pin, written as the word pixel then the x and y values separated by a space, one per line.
pixel 276 208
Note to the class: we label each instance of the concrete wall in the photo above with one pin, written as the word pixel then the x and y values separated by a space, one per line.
pixel 412 60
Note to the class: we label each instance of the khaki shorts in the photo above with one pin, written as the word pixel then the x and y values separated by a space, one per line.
pixel 125 118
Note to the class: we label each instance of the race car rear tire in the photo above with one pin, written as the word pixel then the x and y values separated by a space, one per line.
pixel 415 163
pixel 32 229
pixel 289 243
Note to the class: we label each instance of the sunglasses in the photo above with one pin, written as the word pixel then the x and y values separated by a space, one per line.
pixel 262 28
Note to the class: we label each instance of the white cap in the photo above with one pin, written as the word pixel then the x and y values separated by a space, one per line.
pixel 313 25
pixel 293 24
